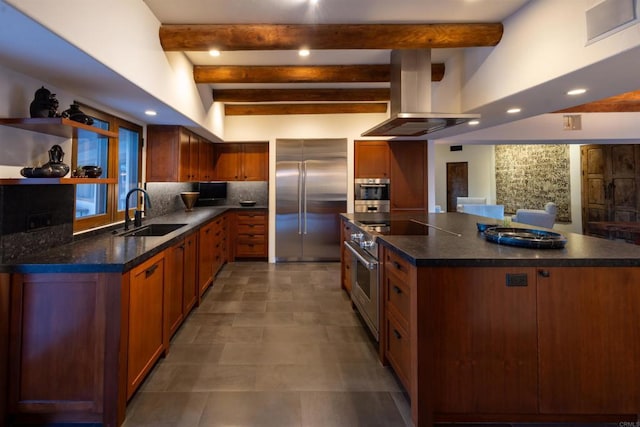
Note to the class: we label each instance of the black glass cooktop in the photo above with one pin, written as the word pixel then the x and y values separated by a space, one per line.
pixel 401 227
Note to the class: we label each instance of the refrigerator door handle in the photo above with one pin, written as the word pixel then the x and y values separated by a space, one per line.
pixel 300 185
pixel 304 180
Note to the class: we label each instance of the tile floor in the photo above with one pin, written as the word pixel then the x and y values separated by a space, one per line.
pixel 271 345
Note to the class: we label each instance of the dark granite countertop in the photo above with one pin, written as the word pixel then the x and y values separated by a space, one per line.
pixel 471 249
pixel 107 252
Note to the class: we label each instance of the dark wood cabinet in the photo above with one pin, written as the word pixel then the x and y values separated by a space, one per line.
pixel 181 287
pixel 346 257
pixel 146 334
pixel 250 234
pixel 589 340
pixel 371 159
pixel 174 155
pixel 206 242
pixel 408 175
pixel 64 354
pixel 248 161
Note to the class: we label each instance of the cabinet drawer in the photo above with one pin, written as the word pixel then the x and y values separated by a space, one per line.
pixel 396 265
pixel 251 229
pixel 398 349
pixel 398 298
pixel 251 239
pixel 251 218
pixel 250 249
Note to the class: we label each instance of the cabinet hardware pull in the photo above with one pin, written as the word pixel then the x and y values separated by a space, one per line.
pixel 397 334
pixel 544 273
pixel 396 264
pixel 397 290
pixel 149 271
pixel 181 247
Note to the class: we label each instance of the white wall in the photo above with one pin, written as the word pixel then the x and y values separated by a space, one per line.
pixel 481 168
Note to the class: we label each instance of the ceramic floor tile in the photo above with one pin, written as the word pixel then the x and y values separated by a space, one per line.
pixel 295 334
pixel 194 353
pixel 252 409
pixel 369 377
pixel 271 353
pixel 347 334
pixel 225 334
pixel 264 319
pixel 288 306
pixel 233 306
pixel 197 378
pixel 333 319
pixel 300 378
pixel 150 409
pixel 271 295
pixel 201 318
pixel 339 409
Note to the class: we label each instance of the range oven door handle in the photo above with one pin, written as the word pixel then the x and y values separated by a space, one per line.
pixel 370 263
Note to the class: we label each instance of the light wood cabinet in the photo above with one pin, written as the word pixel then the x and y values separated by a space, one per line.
pixel 146 334
pixel 408 175
pixel 371 159
pixel 174 155
pixel 250 234
pixel 247 161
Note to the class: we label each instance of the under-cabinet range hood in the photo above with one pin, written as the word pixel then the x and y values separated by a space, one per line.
pixel 411 98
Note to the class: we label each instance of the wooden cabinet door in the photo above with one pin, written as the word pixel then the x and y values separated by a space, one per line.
pixel 345 273
pixel 205 258
pixel 194 157
pixel 408 175
pixel 228 162
pixel 184 142
pixel 174 292
pixel 164 152
pixel 206 159
pixel 190 276
pixel 371 159
pixel 146 340
pixel 589 341
pixel 255 161
pixel 483 337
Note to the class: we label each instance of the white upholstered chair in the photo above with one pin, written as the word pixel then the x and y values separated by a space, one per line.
pixel 542 218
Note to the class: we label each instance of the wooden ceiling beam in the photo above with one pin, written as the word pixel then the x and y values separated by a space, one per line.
pixel 203 37
pixel 301 74
pixel 285 109
pixel 625 103
pixel 292 95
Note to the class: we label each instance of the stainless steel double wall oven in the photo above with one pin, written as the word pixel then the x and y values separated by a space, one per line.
pixel 371 195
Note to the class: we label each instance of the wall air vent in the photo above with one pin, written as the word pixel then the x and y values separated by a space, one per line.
pixel 608 17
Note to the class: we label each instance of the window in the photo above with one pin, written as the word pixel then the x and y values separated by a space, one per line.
pixel 101 204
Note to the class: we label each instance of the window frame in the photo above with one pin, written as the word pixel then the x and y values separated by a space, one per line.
pixel 112 215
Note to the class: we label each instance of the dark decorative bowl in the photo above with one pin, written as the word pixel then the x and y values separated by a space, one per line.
pixel 247 203
pixel 525 238
pixel 482 227
pixel 92 171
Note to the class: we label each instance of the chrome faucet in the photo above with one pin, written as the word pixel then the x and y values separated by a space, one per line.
pixel 137 215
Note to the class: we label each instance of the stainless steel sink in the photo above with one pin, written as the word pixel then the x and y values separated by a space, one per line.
pixel 152 230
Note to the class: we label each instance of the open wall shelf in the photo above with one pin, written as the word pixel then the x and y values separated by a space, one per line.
pixel 56 126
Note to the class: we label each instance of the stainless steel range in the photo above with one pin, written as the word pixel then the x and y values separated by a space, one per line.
pixel 365 280
pixel 365 291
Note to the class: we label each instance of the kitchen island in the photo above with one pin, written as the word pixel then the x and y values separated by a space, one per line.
pixel 481 332
pixel 82 324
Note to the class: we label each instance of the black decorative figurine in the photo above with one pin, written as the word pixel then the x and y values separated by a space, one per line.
pixel 44 104
pixel 76 115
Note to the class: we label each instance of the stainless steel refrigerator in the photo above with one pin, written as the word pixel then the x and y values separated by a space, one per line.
pixel 311 190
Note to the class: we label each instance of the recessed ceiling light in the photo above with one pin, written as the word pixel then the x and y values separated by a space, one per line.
pixel 304 52
pixel 578 91
pixel 313 1
pixel 150 113
pixel 513 110
pixel 214 52
pixel 474 122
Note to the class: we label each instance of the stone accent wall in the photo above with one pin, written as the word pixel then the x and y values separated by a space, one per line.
pixel 529 176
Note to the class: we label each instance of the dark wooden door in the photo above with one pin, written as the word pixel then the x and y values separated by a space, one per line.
pixel 457 183
pixel 408 171
pixel 610 182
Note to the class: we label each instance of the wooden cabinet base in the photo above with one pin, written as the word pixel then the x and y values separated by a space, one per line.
pixel 64 354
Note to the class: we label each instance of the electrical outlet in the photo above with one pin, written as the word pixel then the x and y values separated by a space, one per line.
pixel 516 279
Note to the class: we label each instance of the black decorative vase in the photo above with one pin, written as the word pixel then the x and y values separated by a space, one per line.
pixel 74 113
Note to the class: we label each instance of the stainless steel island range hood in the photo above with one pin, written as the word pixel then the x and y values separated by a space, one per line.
pixel 411 98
